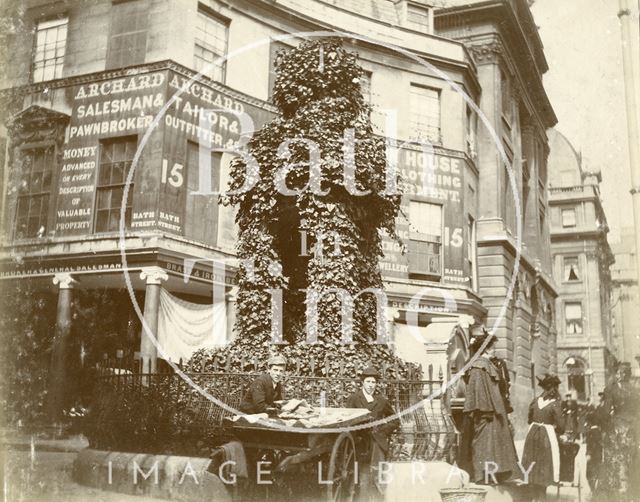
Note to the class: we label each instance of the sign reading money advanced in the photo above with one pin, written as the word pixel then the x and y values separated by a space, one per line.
pixel 108 120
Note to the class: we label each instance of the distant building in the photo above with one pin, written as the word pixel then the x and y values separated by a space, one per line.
pixel 626 298
pixel 582 259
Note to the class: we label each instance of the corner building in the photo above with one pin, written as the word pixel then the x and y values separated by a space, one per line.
pixel 582 257
pixel 80 97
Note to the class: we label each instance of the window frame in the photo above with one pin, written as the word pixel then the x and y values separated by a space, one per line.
pixel 425 12
pixel 110 62
pixel 416 237
pixel 472 258
pixel 63 20
pixel 274 47
pixel 420 135
pixel 100 188
pixel 568 210
pixel 567 319
pixel 192 170
pixel 506 99
pixel 52 193
pixel 565 276
pixel 211 15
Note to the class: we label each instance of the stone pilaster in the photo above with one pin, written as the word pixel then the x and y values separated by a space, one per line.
pixel 57 386
pixel 148 339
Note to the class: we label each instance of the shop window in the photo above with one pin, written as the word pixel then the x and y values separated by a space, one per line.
pixel 201 221
pixel 116 155
pixel 34 192
pixel 211 44
pixel 425 239
pixel 568 218
pixel 571 269
pixel 50 45
pixel 424 120
pixel 573 318
pixel 128 39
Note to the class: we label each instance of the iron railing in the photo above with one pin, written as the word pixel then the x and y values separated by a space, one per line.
pixel 165 413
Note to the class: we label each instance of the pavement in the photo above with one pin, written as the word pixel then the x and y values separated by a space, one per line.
pixel 568 492
pixel 39 469
pixel 45 476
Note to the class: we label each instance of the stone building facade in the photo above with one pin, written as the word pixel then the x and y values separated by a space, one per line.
pixel 86 128
pixel 582 259
pixel 514 262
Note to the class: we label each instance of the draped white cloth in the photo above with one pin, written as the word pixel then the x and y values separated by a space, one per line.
pixel 185 327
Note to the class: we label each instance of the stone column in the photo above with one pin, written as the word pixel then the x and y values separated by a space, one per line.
pixel 230 306
pixel 58 369
pixel 148 338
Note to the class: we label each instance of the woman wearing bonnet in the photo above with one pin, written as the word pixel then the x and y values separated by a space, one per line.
pixel 541 446
pixel 487 450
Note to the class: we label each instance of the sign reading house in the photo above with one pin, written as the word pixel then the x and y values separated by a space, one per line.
pixel 433 224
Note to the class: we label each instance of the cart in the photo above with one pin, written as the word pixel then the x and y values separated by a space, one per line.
pixel 335 451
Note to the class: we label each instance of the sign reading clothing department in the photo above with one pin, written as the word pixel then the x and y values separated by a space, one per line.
pixel 434 181
pixel 106 110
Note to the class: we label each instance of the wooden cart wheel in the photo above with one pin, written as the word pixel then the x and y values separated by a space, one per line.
pixel 342 467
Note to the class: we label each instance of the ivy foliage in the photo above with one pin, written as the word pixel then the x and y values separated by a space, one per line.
pixel 341 215
pixel 103 322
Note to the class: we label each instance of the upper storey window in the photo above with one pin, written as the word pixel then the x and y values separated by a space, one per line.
pixel 424 122
pixel 505 97
pixel 128 40
pixel 420 18
pixel 569 218
pixel 50 43
pixel 116 156
pixel 212 35
pixel 34 192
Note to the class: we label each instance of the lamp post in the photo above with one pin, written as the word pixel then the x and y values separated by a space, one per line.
pixel 631 68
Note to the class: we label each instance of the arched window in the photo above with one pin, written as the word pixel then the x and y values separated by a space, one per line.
pixel 576 377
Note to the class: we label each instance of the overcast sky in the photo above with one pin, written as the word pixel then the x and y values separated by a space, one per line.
pixel 586 86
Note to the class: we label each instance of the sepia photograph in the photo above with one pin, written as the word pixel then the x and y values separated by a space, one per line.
pixel 320 250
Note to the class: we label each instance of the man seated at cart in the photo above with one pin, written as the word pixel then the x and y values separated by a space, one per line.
pixel 380 408
pixel 266 388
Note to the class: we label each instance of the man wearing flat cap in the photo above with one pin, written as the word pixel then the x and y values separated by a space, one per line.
pixel 380 408
pixel 265 389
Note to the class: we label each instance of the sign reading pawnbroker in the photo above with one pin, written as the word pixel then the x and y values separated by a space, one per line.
pixel 106 119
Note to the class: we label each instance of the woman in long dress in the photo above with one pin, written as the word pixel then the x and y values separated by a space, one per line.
pixel 487 450
pixel 541 447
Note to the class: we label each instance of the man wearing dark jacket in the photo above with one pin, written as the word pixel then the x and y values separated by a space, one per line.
pixel 265 389
pixel 380 408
